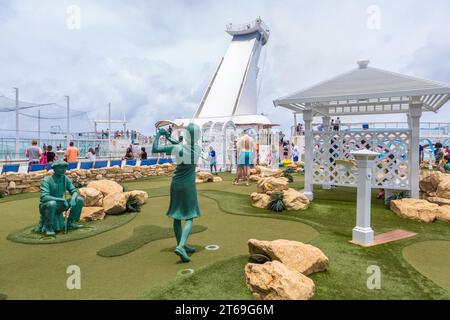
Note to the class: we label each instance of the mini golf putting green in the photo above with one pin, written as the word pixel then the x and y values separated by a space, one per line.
pixel 128 276
pixel 346 275
pixel 141 236
pixel 231 221
pixel 428 257
pixel 90 229
pixel 222 280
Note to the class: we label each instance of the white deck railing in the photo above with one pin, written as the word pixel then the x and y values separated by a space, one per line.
pixel 437 130
pixel 246 26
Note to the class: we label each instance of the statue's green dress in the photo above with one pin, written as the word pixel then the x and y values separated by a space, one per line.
pixel 183 192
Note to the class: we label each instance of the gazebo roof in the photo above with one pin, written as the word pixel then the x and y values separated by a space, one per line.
pixel 367 90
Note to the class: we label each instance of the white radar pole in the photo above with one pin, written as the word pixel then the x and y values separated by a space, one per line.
pixel 17 122
pixel 109 130
pixel 39 128
pixel 68 120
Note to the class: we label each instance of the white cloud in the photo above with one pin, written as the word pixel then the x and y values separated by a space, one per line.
pixel 153 59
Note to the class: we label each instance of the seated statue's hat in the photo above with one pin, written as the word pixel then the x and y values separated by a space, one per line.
pixel 59 163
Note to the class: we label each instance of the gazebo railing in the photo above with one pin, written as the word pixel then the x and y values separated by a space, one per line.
pixel 334 165
pixel 438 130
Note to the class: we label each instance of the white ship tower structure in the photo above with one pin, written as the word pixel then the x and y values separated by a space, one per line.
pixel 230 101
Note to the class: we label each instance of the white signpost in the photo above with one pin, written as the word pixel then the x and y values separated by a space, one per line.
pixel 362 232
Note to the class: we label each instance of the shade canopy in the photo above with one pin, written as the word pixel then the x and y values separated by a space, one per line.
pixel 367 90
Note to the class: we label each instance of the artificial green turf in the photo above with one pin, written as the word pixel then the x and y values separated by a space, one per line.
pixel 25 268
pixel 428 257
pixel 231 221
pixel 140 237
pixel 20 196
pixel 346 276
pixel 3 296
pixel 90 229
pixel 222 280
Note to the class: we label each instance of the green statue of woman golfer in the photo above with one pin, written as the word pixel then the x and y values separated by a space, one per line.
pixel 183 193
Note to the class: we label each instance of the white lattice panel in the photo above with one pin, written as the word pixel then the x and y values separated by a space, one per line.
pixel 334 165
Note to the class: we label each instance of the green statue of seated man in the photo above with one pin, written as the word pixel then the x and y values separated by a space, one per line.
pixel 53 203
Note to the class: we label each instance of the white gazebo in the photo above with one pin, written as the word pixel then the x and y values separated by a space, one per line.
pixel 365 91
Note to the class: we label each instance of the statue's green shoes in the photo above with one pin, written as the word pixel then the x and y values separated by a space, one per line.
pixel 189 249
pixel 182 253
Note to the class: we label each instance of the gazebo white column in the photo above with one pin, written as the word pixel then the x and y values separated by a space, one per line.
pixel 415 112
pixel 327 136
pixel 309 157
pixel 362 233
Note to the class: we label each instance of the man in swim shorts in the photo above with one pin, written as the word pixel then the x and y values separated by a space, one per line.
pixel 245 150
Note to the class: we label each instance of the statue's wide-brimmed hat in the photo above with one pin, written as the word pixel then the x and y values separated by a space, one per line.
pixel 59 163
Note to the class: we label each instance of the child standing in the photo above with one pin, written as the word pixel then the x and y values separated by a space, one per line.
pixel 213 159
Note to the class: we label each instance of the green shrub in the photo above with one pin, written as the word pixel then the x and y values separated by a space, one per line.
pixel 276 203
pixel 78 184
pixel 287 173
pixel 396 196
pixel 133 204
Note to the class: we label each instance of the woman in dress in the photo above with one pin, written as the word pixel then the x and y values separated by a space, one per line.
pixel 183 193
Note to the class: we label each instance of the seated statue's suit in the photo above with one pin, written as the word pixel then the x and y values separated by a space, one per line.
pixel 51 209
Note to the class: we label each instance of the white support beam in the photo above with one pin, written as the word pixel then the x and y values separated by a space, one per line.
pixel 326 165
pixel 415 112
pixel 309 157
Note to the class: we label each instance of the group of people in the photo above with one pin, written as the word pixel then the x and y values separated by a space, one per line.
pixel 120 134
pixel 441 156
pixel 335 124
pixel 35 154
pixel 299 129
pixel 46 155
pixel 129 154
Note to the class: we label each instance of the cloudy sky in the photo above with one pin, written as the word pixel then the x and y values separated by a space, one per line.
pixel 153 59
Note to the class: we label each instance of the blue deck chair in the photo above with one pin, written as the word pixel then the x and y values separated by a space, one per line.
pixel 37 167
pixel 49 166
pixel 152 162
pixel 130 163
pixel 116 163
pixel 162 161
pixel 87 165
pixel 72 165
pixel 101 164
pixel 10 168
pixel 145 162
pixel 170 160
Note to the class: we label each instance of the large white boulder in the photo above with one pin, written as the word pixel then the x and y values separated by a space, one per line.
pixel 415 209
pixel 275 281
pixel 260 200
pixel 106 187
pixel 115 203
pixel 295 200
pixel 298 256
pixel 92 214
pixel 142 196
pixel 272 184
pixel 92 197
